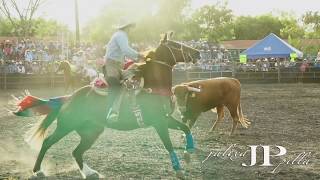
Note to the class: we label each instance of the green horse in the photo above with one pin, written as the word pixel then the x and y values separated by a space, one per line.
pixel 85 111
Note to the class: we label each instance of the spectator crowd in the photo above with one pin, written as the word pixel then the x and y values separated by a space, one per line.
pixel 38 56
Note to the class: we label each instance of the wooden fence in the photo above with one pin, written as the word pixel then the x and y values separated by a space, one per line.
pixel 14 81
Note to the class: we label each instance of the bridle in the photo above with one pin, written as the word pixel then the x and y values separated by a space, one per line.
pixel 181 49
pixel 173 56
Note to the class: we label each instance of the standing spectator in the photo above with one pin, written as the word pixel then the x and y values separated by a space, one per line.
pixel 45 54
pixel 1 51
pixel 7 51
pixel 28 55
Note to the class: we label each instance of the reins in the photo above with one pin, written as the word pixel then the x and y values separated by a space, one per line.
pixel 173 56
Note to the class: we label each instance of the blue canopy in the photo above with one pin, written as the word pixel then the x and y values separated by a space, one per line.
pixel 271 47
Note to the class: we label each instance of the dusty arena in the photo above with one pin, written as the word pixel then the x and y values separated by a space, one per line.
pixel 284 115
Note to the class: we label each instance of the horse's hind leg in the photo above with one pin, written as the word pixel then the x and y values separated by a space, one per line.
pixel 58 134
pixel 88 135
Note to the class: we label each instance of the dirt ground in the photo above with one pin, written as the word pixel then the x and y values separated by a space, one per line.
pixel 285 115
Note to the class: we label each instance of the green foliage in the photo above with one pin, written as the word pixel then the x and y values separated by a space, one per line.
pixel 312 21
pixel 6 28
pixel 152 18
pixel 213 23
pixel 291 27
pixel 40 28
pixel 291 30
pixel 249 27
pixel 48 28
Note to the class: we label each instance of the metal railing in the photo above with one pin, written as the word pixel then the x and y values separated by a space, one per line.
pixel 259 76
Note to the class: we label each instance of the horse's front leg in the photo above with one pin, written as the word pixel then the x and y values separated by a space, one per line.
pixel 177 125
pixel 163 133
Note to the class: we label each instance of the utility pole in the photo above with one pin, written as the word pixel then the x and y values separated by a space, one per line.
pixel 77 23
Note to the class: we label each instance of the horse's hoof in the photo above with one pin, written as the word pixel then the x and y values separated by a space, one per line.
pixel 180 174
pixel 94 176
pixel 187 157
pixel 37 175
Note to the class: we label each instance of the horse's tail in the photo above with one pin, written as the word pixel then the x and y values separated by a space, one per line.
pixel 35 136
pixel 243 121
pixel 32 106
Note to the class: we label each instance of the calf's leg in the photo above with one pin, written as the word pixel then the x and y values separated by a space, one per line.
pixel 235 117
pixel 220 116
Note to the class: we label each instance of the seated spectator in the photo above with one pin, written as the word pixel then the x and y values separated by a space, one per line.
pixel 28 55
pixel 317 64
pixel 304 66
pixel 21 68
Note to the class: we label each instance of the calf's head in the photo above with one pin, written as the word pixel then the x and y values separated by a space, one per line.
pixel 182 93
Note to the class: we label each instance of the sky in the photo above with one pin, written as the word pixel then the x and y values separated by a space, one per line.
pixel 63 10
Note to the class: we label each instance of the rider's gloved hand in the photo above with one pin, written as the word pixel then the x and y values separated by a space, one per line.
pixel 141 56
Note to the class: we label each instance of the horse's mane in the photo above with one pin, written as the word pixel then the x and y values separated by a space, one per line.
pixel 149 54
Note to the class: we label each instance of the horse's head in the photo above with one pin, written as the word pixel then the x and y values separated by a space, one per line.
pixel 172 52
pixel 63 65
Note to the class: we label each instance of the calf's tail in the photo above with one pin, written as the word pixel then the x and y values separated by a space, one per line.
pixel 243 121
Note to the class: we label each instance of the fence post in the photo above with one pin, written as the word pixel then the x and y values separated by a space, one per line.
pixel 5 79
pixel 52 76
pixel 233 68
pixel 279 75
pixel 187 76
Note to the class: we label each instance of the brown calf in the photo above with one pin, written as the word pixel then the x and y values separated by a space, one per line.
pixel 200 96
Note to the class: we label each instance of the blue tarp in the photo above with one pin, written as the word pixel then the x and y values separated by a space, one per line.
pixel 271 47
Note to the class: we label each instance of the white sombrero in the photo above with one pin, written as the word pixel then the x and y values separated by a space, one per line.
pixel 125 23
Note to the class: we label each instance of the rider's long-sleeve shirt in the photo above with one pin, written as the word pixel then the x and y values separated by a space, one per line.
pixel 118 47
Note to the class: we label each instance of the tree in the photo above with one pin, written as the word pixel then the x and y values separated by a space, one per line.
pixel 291 30
pixel 20 17
pixel 152 18
pixel 312 20
pixel 291 27
pixel 6 27
pixel 213 22
pixel 257 27
pixel 47 28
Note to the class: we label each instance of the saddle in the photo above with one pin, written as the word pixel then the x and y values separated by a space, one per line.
pixel 131 79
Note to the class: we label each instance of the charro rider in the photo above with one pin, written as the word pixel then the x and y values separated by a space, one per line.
pixel 117 50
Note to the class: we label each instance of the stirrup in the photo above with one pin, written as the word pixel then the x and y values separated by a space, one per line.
pixel 112 116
